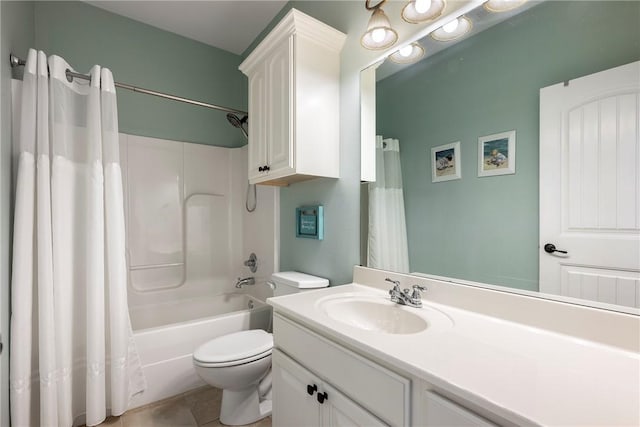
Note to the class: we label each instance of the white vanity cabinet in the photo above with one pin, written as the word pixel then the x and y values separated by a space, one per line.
pixel 294 111
pixel 318 382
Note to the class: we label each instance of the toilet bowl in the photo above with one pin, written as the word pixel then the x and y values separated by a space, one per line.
pixel 239 364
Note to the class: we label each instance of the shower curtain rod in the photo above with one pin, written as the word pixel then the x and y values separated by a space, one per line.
pixel 17 62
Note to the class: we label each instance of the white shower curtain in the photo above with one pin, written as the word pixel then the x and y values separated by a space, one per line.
pixel 72 349
pixel 387 246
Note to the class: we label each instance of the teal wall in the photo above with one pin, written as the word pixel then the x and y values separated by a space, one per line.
pixel 151 58
pixel 486 229
pixel 16 35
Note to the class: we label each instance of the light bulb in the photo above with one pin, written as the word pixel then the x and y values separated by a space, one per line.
pixel 451 26
pixel 406 51
pixel 422 6
pixel 378 35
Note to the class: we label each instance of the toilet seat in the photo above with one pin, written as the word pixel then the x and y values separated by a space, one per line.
pixel 234 349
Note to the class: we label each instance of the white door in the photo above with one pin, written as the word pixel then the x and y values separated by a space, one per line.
pixel 590 187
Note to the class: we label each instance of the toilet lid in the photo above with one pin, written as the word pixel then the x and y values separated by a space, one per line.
pixel 236 346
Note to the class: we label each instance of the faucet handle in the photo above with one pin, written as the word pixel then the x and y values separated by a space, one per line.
pixel 416 291
pixel 396 283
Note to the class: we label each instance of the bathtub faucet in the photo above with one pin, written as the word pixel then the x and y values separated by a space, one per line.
pixel 245 281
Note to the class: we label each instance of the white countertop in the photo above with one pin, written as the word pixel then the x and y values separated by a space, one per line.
pixel 523 374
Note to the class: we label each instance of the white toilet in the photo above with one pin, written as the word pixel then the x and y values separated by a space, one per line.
pixel 240 363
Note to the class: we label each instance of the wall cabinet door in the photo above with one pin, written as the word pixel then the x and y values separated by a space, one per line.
pixel 279 112
pixel 257 122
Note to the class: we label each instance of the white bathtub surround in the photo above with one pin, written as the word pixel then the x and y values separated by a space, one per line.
pixel 69 267
pixel 166 343
pixel 188 229
pixel 511 359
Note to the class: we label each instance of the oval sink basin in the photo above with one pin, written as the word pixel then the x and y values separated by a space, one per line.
pixel 377 314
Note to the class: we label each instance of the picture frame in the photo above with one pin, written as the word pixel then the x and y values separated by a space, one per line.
pixel 497 154
pixel 310 222
pixel 446 164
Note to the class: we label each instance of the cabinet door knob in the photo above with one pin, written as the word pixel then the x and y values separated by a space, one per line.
pixel 311 389
pixel 266 168
pixel 322 397
pixel 260 169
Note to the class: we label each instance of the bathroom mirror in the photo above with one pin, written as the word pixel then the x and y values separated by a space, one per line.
pixel 485 229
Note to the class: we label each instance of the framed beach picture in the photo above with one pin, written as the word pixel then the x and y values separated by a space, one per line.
pixel 445 162
pixel 497 154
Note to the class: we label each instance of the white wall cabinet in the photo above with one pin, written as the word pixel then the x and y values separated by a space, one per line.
pixel 294 102
pixel 303 399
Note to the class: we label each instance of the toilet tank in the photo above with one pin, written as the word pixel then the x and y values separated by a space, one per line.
pixel 291 282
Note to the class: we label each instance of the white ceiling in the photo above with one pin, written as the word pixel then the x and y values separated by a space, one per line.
pixel 228 25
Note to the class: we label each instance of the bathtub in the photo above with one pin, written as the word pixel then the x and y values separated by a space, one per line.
pixel 167 334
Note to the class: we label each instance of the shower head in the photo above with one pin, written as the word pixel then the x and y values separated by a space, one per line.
pixel 238 122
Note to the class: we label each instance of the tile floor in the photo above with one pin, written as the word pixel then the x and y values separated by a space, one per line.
pixel 197 408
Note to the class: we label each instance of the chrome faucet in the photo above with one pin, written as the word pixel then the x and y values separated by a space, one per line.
pixel 406 296
pixel 246 281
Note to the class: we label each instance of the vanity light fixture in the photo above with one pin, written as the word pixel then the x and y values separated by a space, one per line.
pixel 502 5
pixel 453 29
pixel 408 54
pixel 417 11
pixel 379 34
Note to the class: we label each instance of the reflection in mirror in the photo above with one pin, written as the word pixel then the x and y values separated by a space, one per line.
pixel 487 229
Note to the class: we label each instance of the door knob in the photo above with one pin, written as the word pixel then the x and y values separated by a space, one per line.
pixel 551 248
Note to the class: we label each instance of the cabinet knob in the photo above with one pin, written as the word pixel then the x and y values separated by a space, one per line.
pixel 311 389
pixel 260 169
pixel 266 168
pixel 322 397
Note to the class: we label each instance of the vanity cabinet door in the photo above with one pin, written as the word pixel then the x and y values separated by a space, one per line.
pixel 294 395
pixel 339 410
pixel 443 412
pixel 301 399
